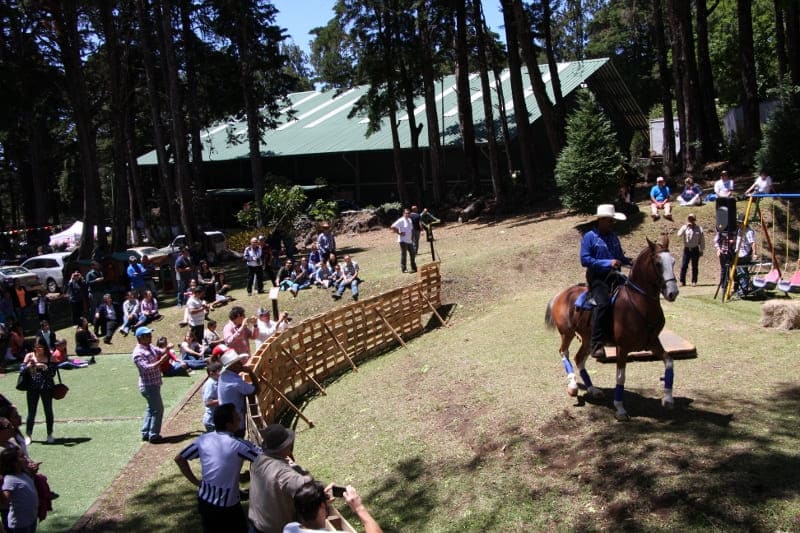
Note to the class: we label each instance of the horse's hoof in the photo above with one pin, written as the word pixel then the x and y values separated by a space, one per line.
pixel 668 405
pixel 622 417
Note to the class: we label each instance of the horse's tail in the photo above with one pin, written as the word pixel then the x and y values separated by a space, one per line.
pixel 548 315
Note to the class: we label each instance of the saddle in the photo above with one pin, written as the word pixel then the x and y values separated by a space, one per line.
pixel 586 303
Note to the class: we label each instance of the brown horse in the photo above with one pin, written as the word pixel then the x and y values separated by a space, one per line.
pixel 637 321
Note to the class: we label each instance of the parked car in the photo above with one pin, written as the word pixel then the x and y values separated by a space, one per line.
pixel 49 268
pixel 214 243
pixel 28 279
pixel 157 256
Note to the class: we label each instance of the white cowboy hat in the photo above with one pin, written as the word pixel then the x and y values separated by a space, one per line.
pixel 608 211
pixel 230 357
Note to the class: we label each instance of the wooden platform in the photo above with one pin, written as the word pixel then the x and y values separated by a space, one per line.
pixel 675 345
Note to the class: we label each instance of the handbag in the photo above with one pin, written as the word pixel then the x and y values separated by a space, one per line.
pixel 60 390
pixel 24 380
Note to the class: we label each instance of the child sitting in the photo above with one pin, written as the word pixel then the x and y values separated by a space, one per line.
pixel 59 356
pixel 172 366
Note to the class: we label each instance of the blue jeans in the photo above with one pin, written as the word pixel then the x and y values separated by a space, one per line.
pixel 343 285
pixel 154 411
pixel 193 362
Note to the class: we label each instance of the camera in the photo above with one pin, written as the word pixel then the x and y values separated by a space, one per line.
pixel 337 491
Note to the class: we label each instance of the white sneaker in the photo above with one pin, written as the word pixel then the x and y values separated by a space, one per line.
pixel 50 439
pixel 28 440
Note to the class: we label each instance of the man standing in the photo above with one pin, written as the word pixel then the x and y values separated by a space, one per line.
pixel 94 280
pixel 255 270
pixel 659 199
pixel 136 273
pixel 196 309
pixel 221 456
pixel 326 242
pixel 76 288
pixel 231 388
pixel 148 359
pixel 416 227
pixel 349 278
pixel 274 480
pixel 404 227
pixel 694 243
pixel 183 273
pixel 238 331
pixel 602 255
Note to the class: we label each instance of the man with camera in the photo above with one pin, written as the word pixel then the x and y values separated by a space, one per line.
pixel 312 506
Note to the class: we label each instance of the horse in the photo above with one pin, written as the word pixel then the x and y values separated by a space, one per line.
pixel 637 321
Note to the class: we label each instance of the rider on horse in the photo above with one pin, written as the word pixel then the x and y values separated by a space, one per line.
pixel 602 255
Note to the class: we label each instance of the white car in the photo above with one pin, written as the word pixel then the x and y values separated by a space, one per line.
pixel 27 279
pixel 49 268
pixel 156 256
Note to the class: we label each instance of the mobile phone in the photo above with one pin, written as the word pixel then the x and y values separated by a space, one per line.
pixel 338 491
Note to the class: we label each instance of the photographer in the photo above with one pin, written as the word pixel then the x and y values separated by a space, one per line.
pixel 238 331
pixel 312 505
pixel 268 327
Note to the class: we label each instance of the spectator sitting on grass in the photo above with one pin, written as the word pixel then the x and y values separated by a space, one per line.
pixel 192 352
pixel 105 319
pixel 148 308
pixel 286 275
pixel 60 357
pixel 349 279
pixel 303 277
pixel 171 366
pixel 131 315
pixel 322 275
pixel 86 343
pixel 312 506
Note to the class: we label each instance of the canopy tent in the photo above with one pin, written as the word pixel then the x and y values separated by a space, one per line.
pixel 71 236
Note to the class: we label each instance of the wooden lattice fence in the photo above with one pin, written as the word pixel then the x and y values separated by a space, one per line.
pixel 304 356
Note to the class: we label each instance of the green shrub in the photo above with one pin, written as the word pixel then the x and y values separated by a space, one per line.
pixel 282 206
pixel 322 210
pixel 587 168
pixel 240 240
pixel 779 153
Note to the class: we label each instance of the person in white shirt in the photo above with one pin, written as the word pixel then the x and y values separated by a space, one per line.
pixel 196 309
pixel 404 228
pixel 255 270
pixel 762 185
pixel 723 187
pixel 694 244
pixel 268 327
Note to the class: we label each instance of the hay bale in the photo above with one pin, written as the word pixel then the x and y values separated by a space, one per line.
pixel 782 314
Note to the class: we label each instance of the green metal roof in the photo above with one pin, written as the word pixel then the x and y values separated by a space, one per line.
pixel 320 124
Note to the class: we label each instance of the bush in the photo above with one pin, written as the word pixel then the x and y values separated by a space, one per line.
pixel 240 240
pixel 587 168
pixel 322 210
pixel 779 153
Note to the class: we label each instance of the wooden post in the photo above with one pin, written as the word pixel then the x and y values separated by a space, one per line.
pixel 339 344
pixel 435 312
pixel 303 370
pixel 273 296
pixel 394 332
pixel 292 406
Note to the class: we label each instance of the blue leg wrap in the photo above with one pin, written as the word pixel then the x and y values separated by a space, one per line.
pixel 567 366
pixel 669 376
pixel 585 377
pixel 618 392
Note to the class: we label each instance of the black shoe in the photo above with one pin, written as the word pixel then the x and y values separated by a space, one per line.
pixel 355 297
pixel 155 439
pixel 107 340
pixel 54 495
pixel 92 361
pixel 145 438
pixel 599 352
pixel 336 296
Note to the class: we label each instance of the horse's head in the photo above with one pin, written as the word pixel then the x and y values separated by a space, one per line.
pixel 665 267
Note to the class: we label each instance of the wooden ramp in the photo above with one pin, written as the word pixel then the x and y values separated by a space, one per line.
pixel 675 345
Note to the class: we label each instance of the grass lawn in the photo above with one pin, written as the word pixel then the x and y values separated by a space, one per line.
pixel 470 428
pixel 96 430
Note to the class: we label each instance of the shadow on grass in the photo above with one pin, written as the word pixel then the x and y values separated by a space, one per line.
pixel 69 442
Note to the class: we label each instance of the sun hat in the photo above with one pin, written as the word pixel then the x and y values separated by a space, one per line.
pixel 143 330
pixel 275 438
pixel 691 216
pixel 325 225
pixel 660 178
pixel 230 357
pixel 608 211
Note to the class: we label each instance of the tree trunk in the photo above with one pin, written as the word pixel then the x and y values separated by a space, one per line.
pixel 752 128
pixel 182 179
pixel 143 14
pixel 193 108
pixel 414 129
pixel 666 87
pixel 780 40
pixel 70 45
pixel 555 80
pixel 486 89
pixel 706 81
pixel 397 156
pixel 683 53
pixel 792 19
pixel 524 136
pixel 429 89
pixel 119 197
pixel 465 122
pixel 501 110
pixel 529 53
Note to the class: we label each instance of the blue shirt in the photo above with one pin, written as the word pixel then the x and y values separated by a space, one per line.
pixel 231 388
pixel 209 393
pixel 661 194
pixel 135 273
pixel 597 251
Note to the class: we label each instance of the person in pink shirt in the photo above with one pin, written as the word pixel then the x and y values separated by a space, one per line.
pixel 238 331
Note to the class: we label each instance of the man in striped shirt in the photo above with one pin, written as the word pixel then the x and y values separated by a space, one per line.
pixel 221 456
